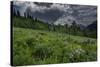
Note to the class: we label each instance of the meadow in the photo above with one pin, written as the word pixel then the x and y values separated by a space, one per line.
pixel 32 47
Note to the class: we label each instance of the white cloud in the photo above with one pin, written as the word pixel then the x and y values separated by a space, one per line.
pixel 60 7
pixel 65 20
pixel 33 7
pixel 83 11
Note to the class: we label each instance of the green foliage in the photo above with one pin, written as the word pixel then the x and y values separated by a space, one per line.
pixel 73 53
pixel 23 22
pixel 36 42
pixel 21 54
pixel 47 47
pixel 29 22
pixel 42 51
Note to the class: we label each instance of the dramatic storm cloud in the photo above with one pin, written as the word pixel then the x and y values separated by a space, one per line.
pixel 58 13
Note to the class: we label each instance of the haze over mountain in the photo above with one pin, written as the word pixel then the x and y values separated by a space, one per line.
pixel 58 13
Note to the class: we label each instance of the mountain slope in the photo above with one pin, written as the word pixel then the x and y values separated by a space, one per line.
pixel 33 47
pixel 92 26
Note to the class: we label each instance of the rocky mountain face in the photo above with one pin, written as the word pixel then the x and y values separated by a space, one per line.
pixel 93 26
pixel 83 15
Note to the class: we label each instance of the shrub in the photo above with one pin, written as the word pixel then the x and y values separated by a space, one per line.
pixel 31 42
pixel 21 54
pixel 42 51
pixel 72 53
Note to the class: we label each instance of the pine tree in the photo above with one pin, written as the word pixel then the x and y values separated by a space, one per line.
pixel 18 13
pixel 66 27
pixel 14 12
pixel 25 15
pixel 73 28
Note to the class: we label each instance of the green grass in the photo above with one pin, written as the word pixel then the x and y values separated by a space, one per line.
pixel 45 47
pixel 23 22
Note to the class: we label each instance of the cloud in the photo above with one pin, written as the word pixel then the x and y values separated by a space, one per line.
pixel 33 7
pixel 61 7
pixel 65 20
pixel 58 13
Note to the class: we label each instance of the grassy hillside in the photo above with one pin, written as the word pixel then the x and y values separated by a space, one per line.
pixel 45 47
pixel 23 22
pixel 74 29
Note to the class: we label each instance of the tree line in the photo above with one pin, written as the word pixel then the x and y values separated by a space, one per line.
pixel 35 23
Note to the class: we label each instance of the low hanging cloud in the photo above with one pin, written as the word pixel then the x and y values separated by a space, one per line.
pixel 33 7
pixel 58 13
